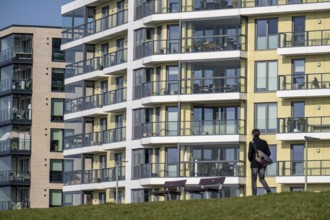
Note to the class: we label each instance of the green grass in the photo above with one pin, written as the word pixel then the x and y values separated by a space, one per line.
pixel 275 206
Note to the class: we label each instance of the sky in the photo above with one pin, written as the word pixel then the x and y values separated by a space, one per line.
pixel 31 12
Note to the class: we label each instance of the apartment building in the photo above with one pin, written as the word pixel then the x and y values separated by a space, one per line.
pixel 160 90
pixel 31 117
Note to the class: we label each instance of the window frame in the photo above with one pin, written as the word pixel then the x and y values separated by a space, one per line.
pixel 267 34
pixel 267 130
pixel 53 81
pixel 51 136
pixel 61 119
pixel 50 197
pixel 57 50
pixel 267 76
pixel 50 170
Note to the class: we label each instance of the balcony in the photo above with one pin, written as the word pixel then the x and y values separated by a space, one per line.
pixel 293 172
pixel 189 169
pixel 82 141
pixel 10 205
pixel 304 43
pixel 15 146
pixel 15 116
pixel 96 68
pixel 202 7
pixel 292 129
pixel 114 138
pixel 192 90
pixel 191 131
pixel 192 48
pixel 114 100
pixel 94 27
pixel 93 176
pixel 22 86
pixel 85 106
pixel 16 54
pixel 11 177
pixel 304 85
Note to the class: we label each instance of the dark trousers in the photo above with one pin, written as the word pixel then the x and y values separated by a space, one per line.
pixel 261 173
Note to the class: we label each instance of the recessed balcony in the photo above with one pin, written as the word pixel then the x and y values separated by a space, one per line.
pixel 304 85
pixel 94 176
pixel 86 106
pixel 87 30
pixel 191 131
pixel 114 138
pixel 293 172
pixel 17 86
pixel 15 116
pixel 217 89
pixel 16 54
pixel 14 177
pixel 295 129
pixel 15 145
pixel 189 169
pixel 96 68
pixel 304 43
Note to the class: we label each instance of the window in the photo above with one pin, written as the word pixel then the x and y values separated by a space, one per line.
pixel 55 198
pixel 267 34
pixel 57 110
pixel 271 169
pixel 57 80
pixel 57 54
pixel 266 117
pixel 56 142
pixel 56 171
pixel 139 39
pixel 266 76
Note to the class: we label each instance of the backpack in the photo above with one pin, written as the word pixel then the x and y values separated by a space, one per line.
pixel 261 157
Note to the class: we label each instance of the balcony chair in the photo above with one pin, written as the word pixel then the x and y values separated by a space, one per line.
pixel 207 185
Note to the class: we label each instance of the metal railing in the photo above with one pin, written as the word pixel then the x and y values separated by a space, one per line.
pixel 17 53
pixel 114 135
pixel 23 115
pixel 95 138
pixel 10 205
pixel 16 84
pixel 163 7
pixel 94 176
pixel 115 58
pixel 305 38
pixel 154 47
pixel 189 169
pixel 15 144
pixel 190 128
pixel 12 175
pixel 304 124
pixel 114 96
pixel 84 103
pixel 304 81
pixel 96 26
pixel 297 168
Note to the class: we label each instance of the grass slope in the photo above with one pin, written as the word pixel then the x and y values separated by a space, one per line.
pixel 275 206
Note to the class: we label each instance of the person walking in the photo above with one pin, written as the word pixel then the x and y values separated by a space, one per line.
pixel 256 168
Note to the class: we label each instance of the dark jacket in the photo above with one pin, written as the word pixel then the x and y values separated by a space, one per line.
pixel 261 145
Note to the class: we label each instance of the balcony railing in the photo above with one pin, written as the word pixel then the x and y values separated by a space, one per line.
pixel 96 26
pixel 304 81
pixel 16 84
pixel 163 6
pixel 14 114
pixel 115 58
pixel 10 205
pixel 213 43
pixel 82 67
pixel 304 124
pixel 190 128
pixel 189 169
pixel 305 38
pixel 297 168
pixel 94 176
pixel 97 63
pixel 114 135
pixel 155 47
pixel 16 53
pixel 82 140
pixel 14 176
pixel 114 96
pixel 95 138
pixel 84 103
pixel 15 144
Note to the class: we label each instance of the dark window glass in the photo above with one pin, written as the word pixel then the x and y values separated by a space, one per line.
pixel 57 54
pixel 56 171
pixel 57 80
